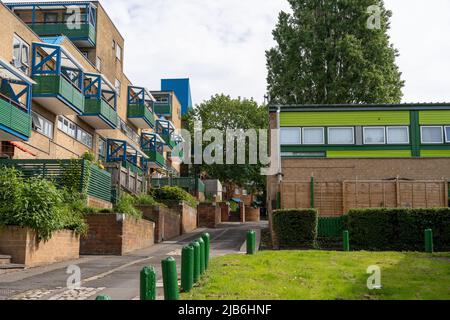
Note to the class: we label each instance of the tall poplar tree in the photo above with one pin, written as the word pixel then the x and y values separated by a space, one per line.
pixel 331 52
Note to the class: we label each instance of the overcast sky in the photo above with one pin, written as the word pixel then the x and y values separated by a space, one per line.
pixel 220 44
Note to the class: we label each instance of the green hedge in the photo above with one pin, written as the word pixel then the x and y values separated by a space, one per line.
pixel 398 229
pixel 169 195
pixel 295 228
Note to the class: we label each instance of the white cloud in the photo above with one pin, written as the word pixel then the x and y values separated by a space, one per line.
pixel 220 44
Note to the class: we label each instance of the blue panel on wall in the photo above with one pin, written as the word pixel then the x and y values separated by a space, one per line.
pixel 182 90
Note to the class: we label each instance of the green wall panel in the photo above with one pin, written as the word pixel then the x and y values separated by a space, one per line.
pixel 434 117
pixel 435 153
pixel 370 154
pixel 344 118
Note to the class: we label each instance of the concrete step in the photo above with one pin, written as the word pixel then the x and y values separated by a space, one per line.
pixel 5 259
pixel 11 267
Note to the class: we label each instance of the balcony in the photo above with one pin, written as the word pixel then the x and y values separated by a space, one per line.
pixel 156 159
pixel 15 104
pixel 49 19
pixel 140 111
pixel 100 104
pixel 166 130
pixel 59 79
pixel 162 104
pixel 153 146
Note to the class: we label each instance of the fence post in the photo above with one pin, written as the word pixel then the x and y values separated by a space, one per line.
pixel 207 238
pixel 202 255
pixel 251 242
pixel 187 268
pixel 196 247
pixel 429 241
pixel 346 237
pixel 148 284
pixel 170 279
pixel 103 297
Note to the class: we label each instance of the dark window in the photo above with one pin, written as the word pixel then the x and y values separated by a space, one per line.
pixel 50 17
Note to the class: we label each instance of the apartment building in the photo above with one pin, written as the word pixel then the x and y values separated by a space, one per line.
pixel 64 93
pixel 339 157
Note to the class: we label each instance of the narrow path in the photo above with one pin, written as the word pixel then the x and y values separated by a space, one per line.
pixel 115 276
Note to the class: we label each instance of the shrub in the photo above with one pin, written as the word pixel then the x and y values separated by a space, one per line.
pixel 126 206
pixel 144 199
pixel 37 204
pixel 398 229
pixel 168 195
pixel 295 228
pixel 234 206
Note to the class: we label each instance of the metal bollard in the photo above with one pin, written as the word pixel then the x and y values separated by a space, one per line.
pixel 170 279
pixel 429 241
pixel 202 255
pixel 196 247
pixel 346 239
pixel 251 242
pixel 187 268
pixel 103 297
pixel 148 284
pixel 207 238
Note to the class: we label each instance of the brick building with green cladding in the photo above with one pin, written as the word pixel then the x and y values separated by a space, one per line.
pixel 332 144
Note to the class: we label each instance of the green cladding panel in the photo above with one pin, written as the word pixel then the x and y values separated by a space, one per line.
pixel 344 118
pixel 432 117
pixel 85 32
pixel 100 107
pixel 14 118
pixel 141 111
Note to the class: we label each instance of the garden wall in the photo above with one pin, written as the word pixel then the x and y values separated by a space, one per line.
pixel 209 215
pixel 116 234
pixel 23 247
pixel 252 214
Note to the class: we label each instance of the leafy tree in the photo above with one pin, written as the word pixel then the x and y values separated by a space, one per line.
pixel 222 112
pixel 327 54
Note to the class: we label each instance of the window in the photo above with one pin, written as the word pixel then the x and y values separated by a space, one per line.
pixel 98 64
pixel 21 54
pixel 313 136
pixel 50 17
pixel 290 136
pixel 117 86
pixel 341 136
pixel 118 52
pixel 374 135
pixel 447 134
pixel 101 149
pixel 397 135
pixel 431 135
pixel 41 125
pixel 75 131
pixel 114 44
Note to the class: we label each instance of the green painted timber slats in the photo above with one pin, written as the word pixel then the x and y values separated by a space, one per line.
pixel 100 107
pixel 331 227
pixel 156 157
pixel 100 184
pixel 162 108
pixel 133 168
pixel 86 31
pixel 169 141
pixel 14 118
pixel 344 118
pixel 140 111
pixel 434 117
pixel 51 85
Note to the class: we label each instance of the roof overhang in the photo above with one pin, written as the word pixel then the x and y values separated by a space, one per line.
pixel 8 71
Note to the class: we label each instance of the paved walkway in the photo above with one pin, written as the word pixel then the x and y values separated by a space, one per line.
pixel 115 276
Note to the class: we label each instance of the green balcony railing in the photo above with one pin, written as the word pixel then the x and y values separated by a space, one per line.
pixel 96 107
pixel 85 32
pixel 14 119
pixel 133 168
pixel 54 86
pixel 162 108
pixel 169 140
pixel 141 111
pixel 156 157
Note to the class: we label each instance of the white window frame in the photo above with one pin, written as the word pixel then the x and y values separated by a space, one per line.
pixel 299 136
pixel 313 144
pixel 117 86
pixel 374 143
pixel 45 122
pixel 18 61
pixel 421 135
pixel 447 137
pixel 397 127
pixel 76 130
pixel 346 144
pixel 118 52
pixel 98 63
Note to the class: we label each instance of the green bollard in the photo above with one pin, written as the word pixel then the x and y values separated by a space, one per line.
pixel 103 297
pixel 196 247
pixel 187 268
pixel 206 237
pixel 148 284
pixel 202 255
pixel 251 242
pixel 429 241
pixel 346 239
pixel 170 279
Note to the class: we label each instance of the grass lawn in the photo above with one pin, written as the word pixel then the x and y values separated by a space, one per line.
pixel 311 275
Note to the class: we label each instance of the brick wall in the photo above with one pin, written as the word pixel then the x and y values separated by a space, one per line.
pixel 209 216
pixel 252 214
pixel 167 221
pixel 111 234
pixel 189 218
pixel 98 203
pixel 22 245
